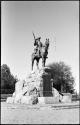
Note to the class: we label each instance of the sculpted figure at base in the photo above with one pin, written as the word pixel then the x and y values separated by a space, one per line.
pixel 41 51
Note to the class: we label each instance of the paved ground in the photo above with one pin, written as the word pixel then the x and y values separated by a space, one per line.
pixel 37 114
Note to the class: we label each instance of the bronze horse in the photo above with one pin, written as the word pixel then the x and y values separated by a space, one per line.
pixel 43 54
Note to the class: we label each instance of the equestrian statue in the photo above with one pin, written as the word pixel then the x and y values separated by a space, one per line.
pixel 40 51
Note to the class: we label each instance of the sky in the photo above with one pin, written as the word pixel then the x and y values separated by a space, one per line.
pixel 56 20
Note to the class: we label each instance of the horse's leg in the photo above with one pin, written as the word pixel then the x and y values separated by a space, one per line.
pixel 32 63
pixel 37 63
pixel 43 61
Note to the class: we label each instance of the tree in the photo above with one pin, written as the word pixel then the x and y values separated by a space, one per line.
pixel 5 72
pixel 7 80
pixel 62 77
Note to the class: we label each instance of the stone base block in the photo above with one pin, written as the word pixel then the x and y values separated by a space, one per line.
pixel 29 100
pixel 66 98
pixel 41 100
pixel 10 100
pixel 48 100
pixel 18 98
pixel 26 99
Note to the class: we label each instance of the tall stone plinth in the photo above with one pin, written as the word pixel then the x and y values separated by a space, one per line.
pixel 46 85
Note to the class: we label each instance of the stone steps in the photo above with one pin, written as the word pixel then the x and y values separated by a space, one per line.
pixel 56 106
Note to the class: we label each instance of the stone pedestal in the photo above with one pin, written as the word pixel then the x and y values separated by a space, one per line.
pixel 37 84
pixel 41 80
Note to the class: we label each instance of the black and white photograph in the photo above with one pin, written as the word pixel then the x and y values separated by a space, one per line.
pixel 40 62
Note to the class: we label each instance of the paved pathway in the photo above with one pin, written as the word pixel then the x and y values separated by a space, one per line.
pixel 40 114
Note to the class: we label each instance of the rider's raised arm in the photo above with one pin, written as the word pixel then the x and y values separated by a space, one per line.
pixel 33 35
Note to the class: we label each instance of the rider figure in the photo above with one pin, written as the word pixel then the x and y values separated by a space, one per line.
pixel 38 45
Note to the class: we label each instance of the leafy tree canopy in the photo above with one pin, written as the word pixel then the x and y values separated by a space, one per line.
pixel 7 79
pixel 62 76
